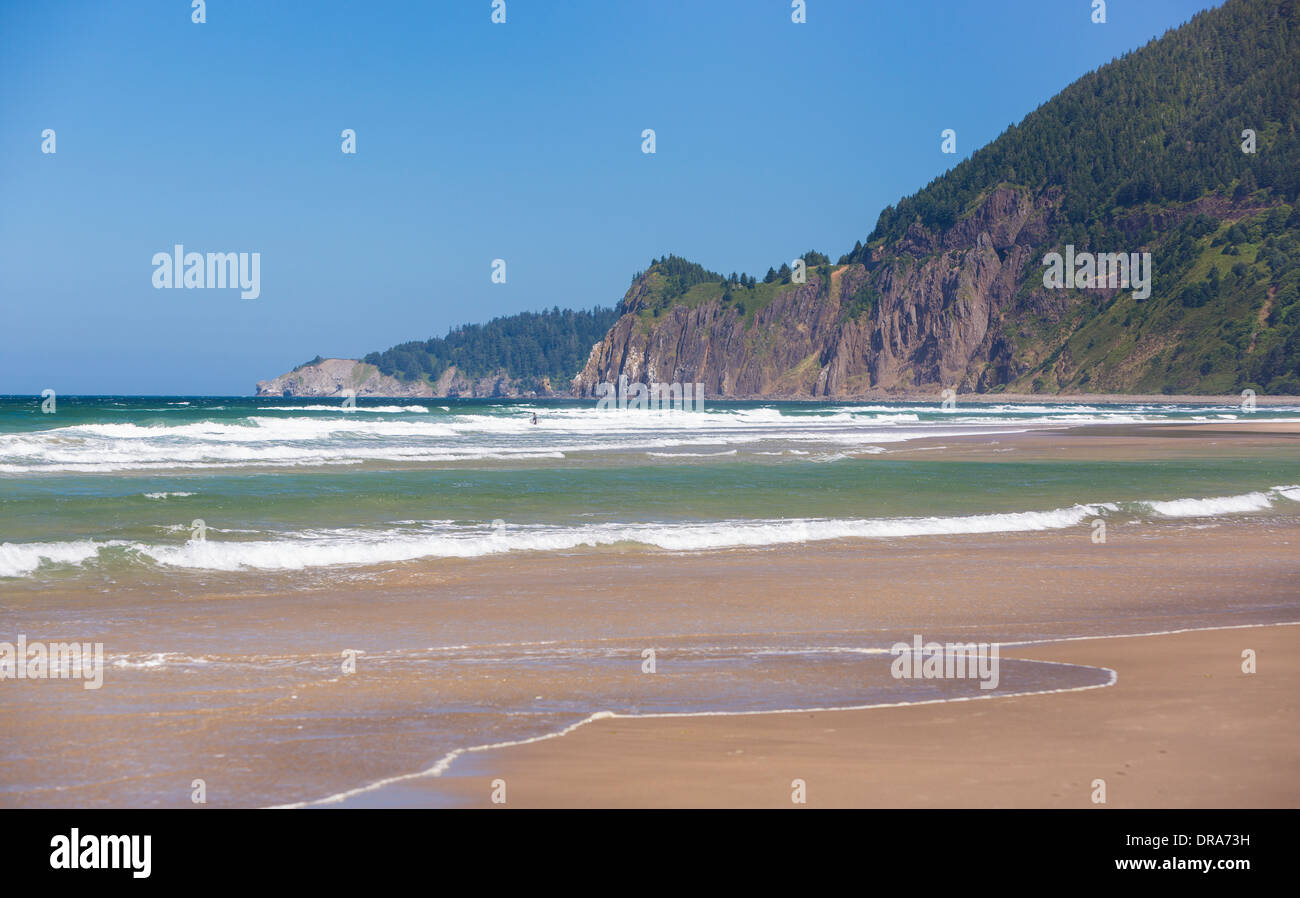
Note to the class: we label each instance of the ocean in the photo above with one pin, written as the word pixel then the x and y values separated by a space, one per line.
pixel 159 488
pixel 497 580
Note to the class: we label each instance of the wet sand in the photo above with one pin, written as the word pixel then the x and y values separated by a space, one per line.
pixel 1182 727
pixel 239 682
pixel 269 719
pixel 1115 442
pixel 1230 400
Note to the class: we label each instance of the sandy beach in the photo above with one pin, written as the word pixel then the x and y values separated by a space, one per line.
pixel 239 678
pixel 1183 726
pixel 942 451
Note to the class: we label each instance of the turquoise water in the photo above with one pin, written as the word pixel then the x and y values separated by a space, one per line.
pixel 107 486
pixel 226 550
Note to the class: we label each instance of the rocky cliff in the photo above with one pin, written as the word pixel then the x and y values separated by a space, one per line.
pixel 1187 149
pixel 333 377
pixel 1184 153
pixel 927 312
pixel 963 308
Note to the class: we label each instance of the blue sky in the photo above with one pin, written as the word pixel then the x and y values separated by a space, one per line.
pixel 475 141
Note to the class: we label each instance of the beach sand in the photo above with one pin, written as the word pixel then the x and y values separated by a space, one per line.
pixel 1182 727
pixel 237 680
pixel 1174 692
pixel 1116 442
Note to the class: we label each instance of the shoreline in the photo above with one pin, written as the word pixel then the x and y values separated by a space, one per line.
pixel 549 773
pixel 908 396
pixel 533 644
pixel 235 677
pixel 444 764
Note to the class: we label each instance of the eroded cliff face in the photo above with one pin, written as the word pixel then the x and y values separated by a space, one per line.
pixel 928 312
pixel 334 377
pixel 963 308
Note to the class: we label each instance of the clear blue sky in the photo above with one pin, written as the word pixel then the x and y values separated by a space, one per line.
pixel 474 142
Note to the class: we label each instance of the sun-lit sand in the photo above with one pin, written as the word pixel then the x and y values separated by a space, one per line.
pixel 1182 727
pixel 242 685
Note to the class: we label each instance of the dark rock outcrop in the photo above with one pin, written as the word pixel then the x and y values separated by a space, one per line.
pixel 926 313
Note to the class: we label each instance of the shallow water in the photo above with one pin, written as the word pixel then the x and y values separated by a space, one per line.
pixel 153 489
pixel 501 581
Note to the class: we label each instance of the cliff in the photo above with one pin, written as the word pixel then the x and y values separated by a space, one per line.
pixel 1187 149
pixel 331 377
pixel 1184 154
pixel 928 312
pixel 963 308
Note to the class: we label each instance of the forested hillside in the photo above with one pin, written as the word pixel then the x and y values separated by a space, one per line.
pixel 526 347
pixel 1186 150
pixel 1148 154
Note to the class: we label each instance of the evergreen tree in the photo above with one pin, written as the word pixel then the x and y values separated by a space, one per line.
pixel 530 345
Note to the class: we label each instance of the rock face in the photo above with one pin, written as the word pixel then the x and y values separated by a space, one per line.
pixel 332 377
pixel 925 313
pixel 963 308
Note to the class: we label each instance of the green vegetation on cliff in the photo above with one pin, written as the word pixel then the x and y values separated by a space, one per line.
pixel 1162 124
pixel 1143 155
pixel 527 347
pixel 1226 316
pixel 674 281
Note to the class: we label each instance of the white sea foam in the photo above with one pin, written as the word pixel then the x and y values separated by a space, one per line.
pixel 361 547
pixel 299 441
pixel 353 546
pixel 277 435
pixel 1187 508
pixel 1291 492
pixel 22 559
pixel 413 540
pixel 322 435
pixel 153 660
pixel 691 454
pixel 31 456
pixel 374 409
pixel 177 495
